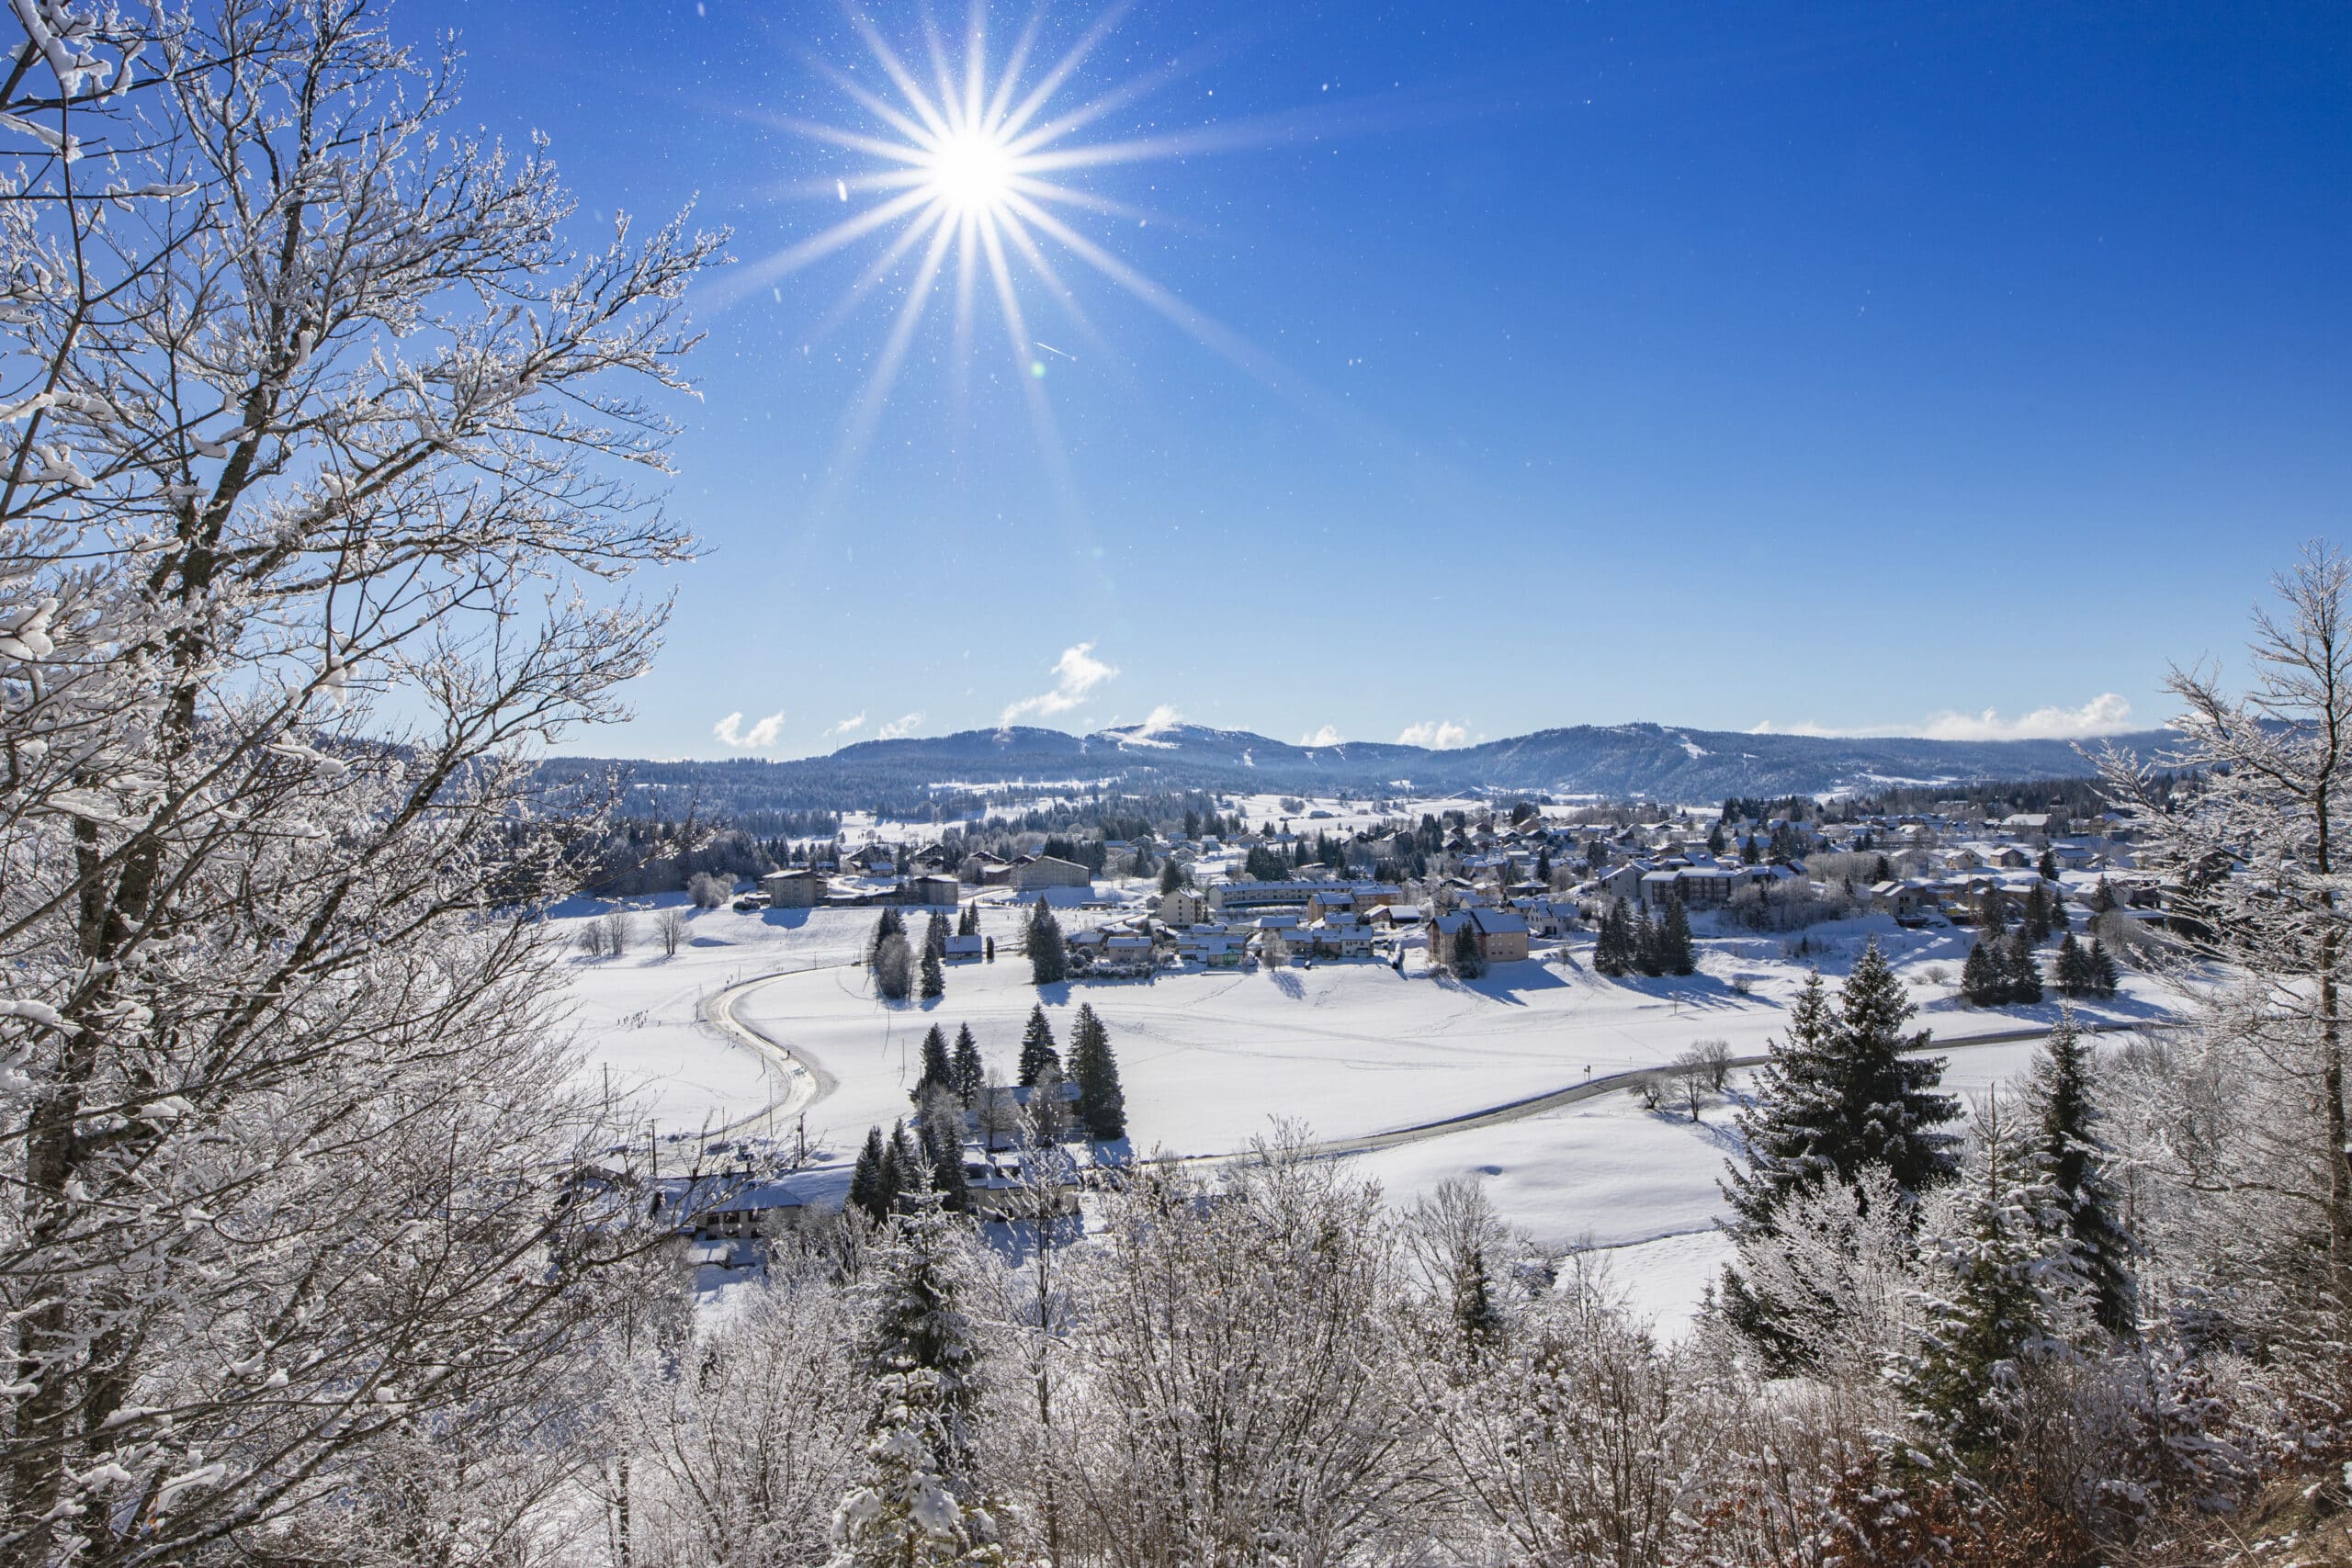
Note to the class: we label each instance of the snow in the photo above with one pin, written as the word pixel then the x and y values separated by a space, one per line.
pixel 1347 1049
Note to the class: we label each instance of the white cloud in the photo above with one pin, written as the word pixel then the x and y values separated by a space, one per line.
pixel 855 721
pixel 1164 717
pixel 2107 714
pixel 1326 736
pixel 1438 734
pixel 1075 675
pixel 898 729
pixel 730 731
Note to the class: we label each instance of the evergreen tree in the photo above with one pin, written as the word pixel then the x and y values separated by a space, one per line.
pixel 931 983
pixel 905 1171
pixel 1048 953
pixel 904 1514
pixel 934 933
pixel 2047 865
pixel 1983 980
pixel 1102 1103
pixel 2103 972
pixel 1048 1103
pixel 2021 969
pixel 941 1135
pixel 889 923
pixel 970 1075
pixel 1998 1288
pixel 1992 915
pixel 1837 1097
pixel 1612 947
pixel 969 923
pixel 1037 1047
pixel 1749 854
pixel 1171 877
pixel 2073 970
pixel 1468 962
pixel 867 1188
pixel 2059 918
pixel 1646 956
pixel 2068 1147
pixel 1676 954
pixel 937 1071
pixel 2103 898
pixel 1715 839
pixel 2035 920
pixel 921 1324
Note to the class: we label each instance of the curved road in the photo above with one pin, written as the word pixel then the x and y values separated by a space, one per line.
pixel 805 1083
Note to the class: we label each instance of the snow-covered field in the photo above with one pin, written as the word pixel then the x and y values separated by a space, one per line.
pixel 1211 1060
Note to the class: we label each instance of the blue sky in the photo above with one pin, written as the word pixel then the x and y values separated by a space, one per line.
pixel 1855 367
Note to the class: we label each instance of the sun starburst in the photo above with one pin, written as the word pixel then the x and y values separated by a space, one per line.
pixel 964 181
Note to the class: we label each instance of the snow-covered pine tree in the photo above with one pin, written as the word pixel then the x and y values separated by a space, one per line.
pixel 1838 1097
pixel 969 1072
pixel 1048 951
pixel 2001 1285
pixel 922 1322
pixel 935 934
pixel 931 977
pixel 1171 876
pixel 2066 1140
pixel 969 923
pixel 1102 1103
pixel 905 1513
pixel 1037 1047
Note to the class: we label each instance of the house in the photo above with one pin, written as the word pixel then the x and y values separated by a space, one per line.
pixel 1049 871
pixel 1211 945
pixel 960 948
pixel 1501 935
pixel 793 889
pixel 1332 939
pixel 1907 902
pixel 874 860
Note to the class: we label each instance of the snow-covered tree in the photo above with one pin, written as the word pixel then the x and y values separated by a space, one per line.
pixel 905 1513
pixel 1037 1047
pixel 968 1074
pixel 317 419
pixel 1048 951
pixel 2073 1157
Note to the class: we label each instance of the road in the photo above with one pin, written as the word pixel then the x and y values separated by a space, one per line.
pixel 805 1083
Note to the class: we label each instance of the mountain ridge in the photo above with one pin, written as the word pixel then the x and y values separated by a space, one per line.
pixel 1669 762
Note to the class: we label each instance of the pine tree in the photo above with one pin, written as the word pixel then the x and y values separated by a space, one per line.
pixel 2021 969
pixel 969 923
pixel 1676 953
pixel 2103 971
pixel 922 1323
pixel 905 1514
pixel 2073 970
pixel 937 1071
pixel 2047 865
pixel 930 982
pixel 1992 915
pixel 2068 1147
pixel 1171 877
pixel 1102 1103
pixel 1048 953
pixel 2035 921
pixel 1469 963
pixel 1645 948
pixel 1037 1047
pixel 1999 1287
pixel 905 1172
pixel 941 1133
pixel 2059 918
pixel 2103 898
pixel 935 934
pixel 1837 1097
pixel 969 1073
pixel 1612 948
pixel 1983 979
pixel 868 1181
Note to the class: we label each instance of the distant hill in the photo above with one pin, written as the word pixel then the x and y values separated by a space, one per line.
pixel 1648 761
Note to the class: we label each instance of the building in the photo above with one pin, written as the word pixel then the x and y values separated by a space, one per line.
pixel 932 890
pixel 793 889
pixel 959 948
pixel 1183 908
pixel 1500 934
pixel 1292 894
pixel 1049 871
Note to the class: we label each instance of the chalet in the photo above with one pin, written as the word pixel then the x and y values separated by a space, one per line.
pixel 961 949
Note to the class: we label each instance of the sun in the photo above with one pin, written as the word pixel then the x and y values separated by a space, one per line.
pixel 972 172
pixel 969 171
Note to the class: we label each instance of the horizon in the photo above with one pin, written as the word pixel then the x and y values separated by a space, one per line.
pixel 1893 362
